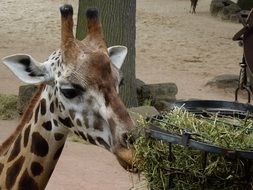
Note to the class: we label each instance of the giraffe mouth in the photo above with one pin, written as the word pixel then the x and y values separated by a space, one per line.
pixel 126 159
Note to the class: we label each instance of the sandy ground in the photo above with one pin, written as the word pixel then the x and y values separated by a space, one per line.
pixel 172 46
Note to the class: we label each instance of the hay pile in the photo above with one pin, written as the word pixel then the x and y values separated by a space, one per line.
pixel 172 166
pixel 8 107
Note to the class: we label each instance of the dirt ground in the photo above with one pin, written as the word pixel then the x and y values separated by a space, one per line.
pixel 172 46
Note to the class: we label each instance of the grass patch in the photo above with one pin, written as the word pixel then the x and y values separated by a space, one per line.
pixel 8 107
pixel 168 165
pixel 74 138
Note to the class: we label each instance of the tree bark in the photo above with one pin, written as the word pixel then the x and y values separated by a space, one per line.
pixel 118 21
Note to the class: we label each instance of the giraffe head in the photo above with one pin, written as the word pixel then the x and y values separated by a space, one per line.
pixel 82 80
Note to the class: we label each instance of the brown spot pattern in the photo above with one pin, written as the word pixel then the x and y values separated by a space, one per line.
pixel 13 171
pixel 1 168
pixel 47 125
pixel 72 114
pixel 82 135
pixel 39 145
pixel 26 135
pixel 16 149
pixel 58 136
pixel 76 133
pixel 27 182
pixel 50 174
pixel 103 143
pixel 91 140
pixel 36 114
pixel 98 125
pixel 58 152
pixel 50 96
pixel 56 102
pixel 43 107
pixel 55 122
pixel 67 122
pixel 36 168
pixel 78 122
pixel 52 107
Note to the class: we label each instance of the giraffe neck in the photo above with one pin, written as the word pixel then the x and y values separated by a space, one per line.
pixel 25 118
pixel 30 159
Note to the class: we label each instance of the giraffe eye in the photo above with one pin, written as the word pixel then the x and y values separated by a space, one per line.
pixel 70 93
pixel 73 91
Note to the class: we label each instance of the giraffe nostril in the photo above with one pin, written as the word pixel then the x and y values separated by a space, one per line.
pixel 131 139
pixel 127 139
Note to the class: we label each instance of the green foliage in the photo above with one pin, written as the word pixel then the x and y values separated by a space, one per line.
pixel 147 102
pixel 164 164
pixel 74 138
pixel 8 107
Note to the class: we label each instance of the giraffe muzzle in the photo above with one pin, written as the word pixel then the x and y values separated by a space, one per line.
pixel 125 152
pixel 126 159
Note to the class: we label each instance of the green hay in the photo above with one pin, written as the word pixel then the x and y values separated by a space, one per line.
pixel 8 107
pixel 183 167
pixel 74 138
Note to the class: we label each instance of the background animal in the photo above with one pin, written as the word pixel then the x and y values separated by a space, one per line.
pixel 193 6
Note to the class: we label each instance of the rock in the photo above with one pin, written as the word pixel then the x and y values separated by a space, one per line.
pixel 25 94
pixel 225 9
pixel 157 92
pixel 215 7
pixel 234 18
pixel 139 83
pixel 144 111
pixel 224 81
pixel 229 11
pixel 161 105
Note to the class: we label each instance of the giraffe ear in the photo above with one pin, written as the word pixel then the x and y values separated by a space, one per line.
pixel 117 55
pixel 27 69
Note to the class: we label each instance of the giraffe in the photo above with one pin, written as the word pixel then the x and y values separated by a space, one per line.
pixel 193 6
pixel 78 92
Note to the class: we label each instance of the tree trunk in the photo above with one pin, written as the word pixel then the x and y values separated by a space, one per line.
pixel 118 21
pixel 245 4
